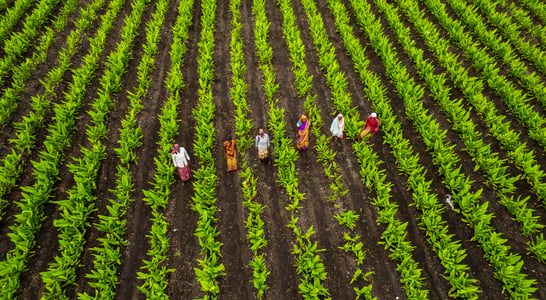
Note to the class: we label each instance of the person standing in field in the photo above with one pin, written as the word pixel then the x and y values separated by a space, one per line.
pixel 181 162
pixel 337 127
pixel 262 143
pixel 303 125
pixel 370 128
pixel 230 152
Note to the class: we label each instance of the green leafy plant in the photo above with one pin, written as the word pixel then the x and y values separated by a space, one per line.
pixel 113 225
pixel 47 168
pixel 347 218
pixel 80 203
pixel 467 200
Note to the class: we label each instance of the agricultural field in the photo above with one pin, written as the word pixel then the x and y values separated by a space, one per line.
pixel 446 200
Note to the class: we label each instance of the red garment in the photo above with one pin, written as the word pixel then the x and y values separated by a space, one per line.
pixel 373 124
pixel 184 173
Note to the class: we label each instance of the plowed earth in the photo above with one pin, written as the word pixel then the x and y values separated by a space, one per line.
pixel 316 211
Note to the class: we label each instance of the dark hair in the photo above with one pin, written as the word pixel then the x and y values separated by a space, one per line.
pixel 228 138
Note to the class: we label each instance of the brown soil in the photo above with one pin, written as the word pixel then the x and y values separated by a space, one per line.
pixel 316 211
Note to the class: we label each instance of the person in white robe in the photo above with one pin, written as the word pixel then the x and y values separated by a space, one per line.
pixel 262 143
pixel 337 127
pixel 181 162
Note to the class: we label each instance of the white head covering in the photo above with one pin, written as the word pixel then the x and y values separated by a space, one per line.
pixel 373 115
pixel 338 126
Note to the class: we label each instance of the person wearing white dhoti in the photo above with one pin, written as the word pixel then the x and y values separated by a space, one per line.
pixel 262 143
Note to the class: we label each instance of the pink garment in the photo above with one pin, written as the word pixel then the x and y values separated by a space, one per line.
pixel 184 173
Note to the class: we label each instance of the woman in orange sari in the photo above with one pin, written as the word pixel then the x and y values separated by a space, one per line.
pixel 303 133
pixel 230 152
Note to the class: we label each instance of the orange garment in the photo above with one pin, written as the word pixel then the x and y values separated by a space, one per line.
pixel 230 151
pixel 363 133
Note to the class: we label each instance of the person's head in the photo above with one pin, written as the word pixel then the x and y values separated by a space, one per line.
pixel 303 118
pixel 228 138
pixel 340 117
pixel 261 131
pixel 373 115
pixel 176 147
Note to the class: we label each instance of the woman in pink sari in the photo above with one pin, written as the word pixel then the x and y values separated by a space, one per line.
pixel 181 162
pixel 303 125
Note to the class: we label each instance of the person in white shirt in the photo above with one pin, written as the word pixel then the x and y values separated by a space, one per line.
pixel 262 143
pixel 181 162
pixel 337 127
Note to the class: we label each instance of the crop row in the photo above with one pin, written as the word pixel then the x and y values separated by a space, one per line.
pixel 488 162
pixel 113 225
pixel 502 49
pixel 46 170
pixel 308 264
pixel 449 251
pixel 264 53
pixel 537 7
pixel 154 270
pixel 510 31
pixel 326 155
pixel 24 70
pixel 517 152
pixel 12 164
pixel 238 91
pixel 523 20
pixel 12 16
pixel 524 215
pixel 514 99
pixel 475 215
pixel 394 237
pixel 336 80
pixel 204 198
pixel 534 178
pixel 76 209
pixel 20 41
